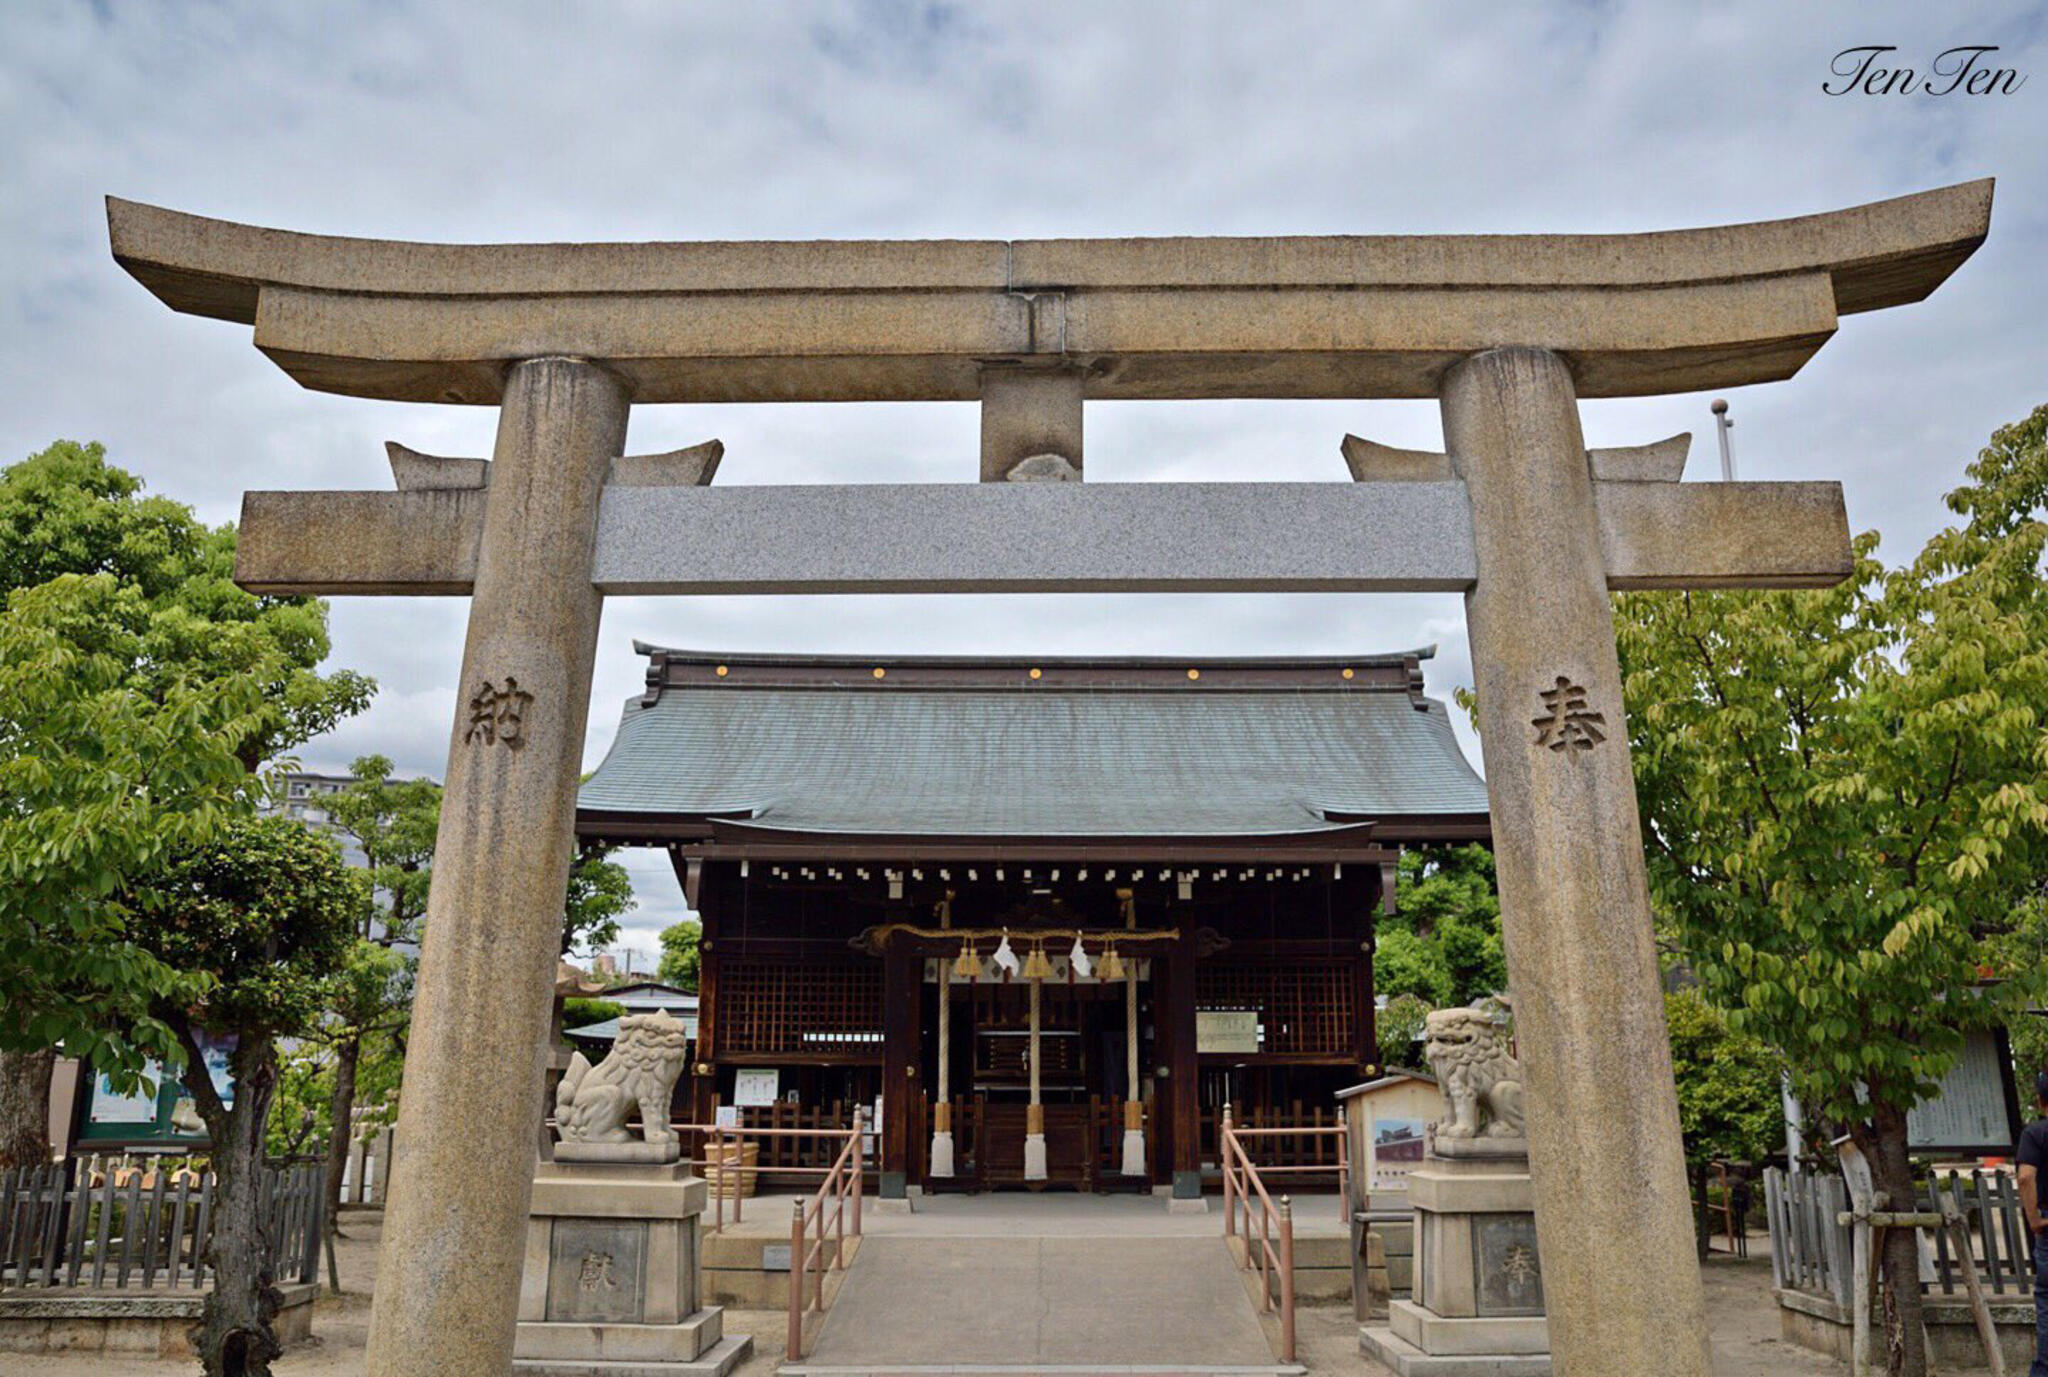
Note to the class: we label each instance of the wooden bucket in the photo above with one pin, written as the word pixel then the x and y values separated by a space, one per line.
pixel 729 1169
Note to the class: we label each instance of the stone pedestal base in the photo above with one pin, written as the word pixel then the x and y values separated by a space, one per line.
pixel 610 1287
pixel 1478 1306
pixel 1386 1347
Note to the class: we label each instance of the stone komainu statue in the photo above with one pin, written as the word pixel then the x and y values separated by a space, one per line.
pixel 1482 1084
pixel 593 1103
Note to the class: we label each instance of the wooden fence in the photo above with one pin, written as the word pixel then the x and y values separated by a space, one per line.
pixel 1810 1250
pixel 70 1224
pixel 366 1173
pixel 1997 1233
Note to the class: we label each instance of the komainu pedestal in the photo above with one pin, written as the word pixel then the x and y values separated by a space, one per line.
pixel 610 1287
pixel 1477 1309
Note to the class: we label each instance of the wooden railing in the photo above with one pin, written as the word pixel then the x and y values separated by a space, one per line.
pixel 1315 1150
pixel 1268 1244
pixel 68 1224
pixel 1310 1137
pixel 780 1151
pixel 807 1253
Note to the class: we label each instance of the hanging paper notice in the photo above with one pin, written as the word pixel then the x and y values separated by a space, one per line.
pixel 110 1107
pixel 1226 1030
pixel 754 1089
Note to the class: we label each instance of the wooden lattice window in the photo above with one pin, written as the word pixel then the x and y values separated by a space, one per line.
pixel 801 1007
pixel 1304 1008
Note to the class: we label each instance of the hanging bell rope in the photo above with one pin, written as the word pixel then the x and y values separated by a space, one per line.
pixel 967 965
pixel 1093 936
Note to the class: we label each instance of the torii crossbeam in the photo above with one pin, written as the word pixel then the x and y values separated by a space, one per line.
pixel 1508 331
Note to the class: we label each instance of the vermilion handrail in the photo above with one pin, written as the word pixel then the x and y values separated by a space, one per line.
pixel 715 1138
pixel 1343 1162
pixel 1275 1254
pixel 807 1219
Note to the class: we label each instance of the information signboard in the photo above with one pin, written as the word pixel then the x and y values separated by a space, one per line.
pixel 1226 1030
pixel 753 1089
pixel 1975 1113
pixel 166 1116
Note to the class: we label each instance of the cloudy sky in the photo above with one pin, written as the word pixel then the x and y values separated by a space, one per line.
pixel 663 120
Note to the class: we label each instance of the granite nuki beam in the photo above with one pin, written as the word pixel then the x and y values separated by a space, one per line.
pixel 1043 537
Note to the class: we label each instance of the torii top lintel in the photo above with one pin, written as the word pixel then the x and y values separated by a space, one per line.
pixel 1329 316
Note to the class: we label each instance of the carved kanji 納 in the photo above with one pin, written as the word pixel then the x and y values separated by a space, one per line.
pixel 498 715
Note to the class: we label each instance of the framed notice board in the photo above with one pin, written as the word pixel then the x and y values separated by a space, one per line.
pixel 1976 1113
pixel 165 1118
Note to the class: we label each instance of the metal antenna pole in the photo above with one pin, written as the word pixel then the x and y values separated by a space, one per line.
pixel 1722 425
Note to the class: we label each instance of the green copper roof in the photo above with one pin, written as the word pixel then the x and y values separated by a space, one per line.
pixel 1088 748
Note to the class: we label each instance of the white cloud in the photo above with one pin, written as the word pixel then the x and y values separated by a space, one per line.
pixel 658 120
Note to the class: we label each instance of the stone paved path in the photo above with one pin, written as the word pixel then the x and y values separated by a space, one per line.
pixel 1170 1304
pixel 1741 1315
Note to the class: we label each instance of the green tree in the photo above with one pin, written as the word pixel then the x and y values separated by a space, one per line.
pixel 97 781
pixel 371 1001
pixel 393 823
pixel 260 920
pixel 1729 1100
pixel 600 892
pixel 1442 943
pixel 1399 1027
pixel 1404 963
pixel 581 1013
pixel 126 624
pixel 2025 948
pixel 67 511
pixel 1843 792
pixel 679 955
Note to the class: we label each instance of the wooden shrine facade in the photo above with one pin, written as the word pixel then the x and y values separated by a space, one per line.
pixel 861 837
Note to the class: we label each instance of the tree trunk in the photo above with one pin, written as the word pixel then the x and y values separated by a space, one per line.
pixel 341 1116
pixel 1883 1141
pixel 25 1108
pixel 234 1335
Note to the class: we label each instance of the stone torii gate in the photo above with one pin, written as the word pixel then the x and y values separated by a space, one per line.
pixel 1508 331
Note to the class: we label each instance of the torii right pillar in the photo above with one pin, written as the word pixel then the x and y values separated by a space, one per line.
pixel 1613 1222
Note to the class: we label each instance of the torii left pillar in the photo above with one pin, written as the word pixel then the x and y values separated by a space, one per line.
pixel 448 1280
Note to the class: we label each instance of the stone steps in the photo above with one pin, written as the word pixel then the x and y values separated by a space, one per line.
pixel 1191 1370
pixel 1405 1359
pixel 734 1271
pixel 1389 1267
pixel 1322 1270
pixel 1041 1304
pixel 716 1361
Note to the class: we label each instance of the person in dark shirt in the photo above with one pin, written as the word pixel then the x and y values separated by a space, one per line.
pixel 2033 1156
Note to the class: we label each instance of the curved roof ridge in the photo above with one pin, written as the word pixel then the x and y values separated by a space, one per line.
pixel 857 660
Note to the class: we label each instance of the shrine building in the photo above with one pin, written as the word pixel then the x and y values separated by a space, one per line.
pixel 890 856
